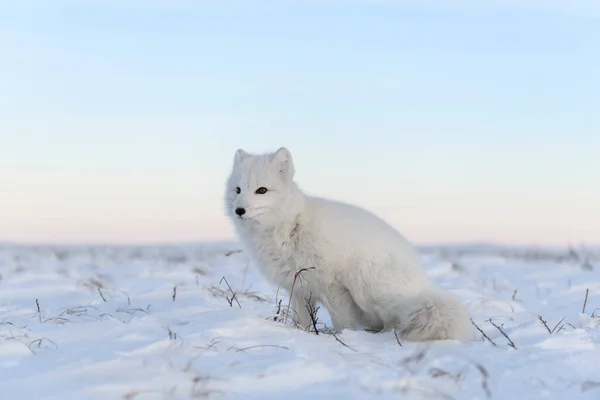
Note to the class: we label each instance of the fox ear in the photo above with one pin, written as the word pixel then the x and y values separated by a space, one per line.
pixel 282 158
pixel 240 155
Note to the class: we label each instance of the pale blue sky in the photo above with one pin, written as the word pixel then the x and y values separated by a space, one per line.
pixel 119 120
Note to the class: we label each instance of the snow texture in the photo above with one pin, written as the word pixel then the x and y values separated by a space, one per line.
pixel 161 323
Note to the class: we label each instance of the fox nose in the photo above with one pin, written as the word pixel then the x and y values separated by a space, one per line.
pixel 240 211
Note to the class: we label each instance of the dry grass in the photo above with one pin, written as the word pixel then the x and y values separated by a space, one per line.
pixel 77 311
pixel 483 334
pixel 510 342
pixel 39 311
pixel 580 256
pixel 101 295
pixel 212 345
pixel 37 344
pixel 232 295
pixel 243 350
pixel 415 366
pixel 397 338
pixel 557 328
pixel 132 310
pixel 297 275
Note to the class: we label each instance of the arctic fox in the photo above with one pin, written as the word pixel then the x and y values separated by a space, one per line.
pixel 358 267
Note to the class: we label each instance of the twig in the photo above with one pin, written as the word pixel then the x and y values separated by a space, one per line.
pixel 128 299
pixel 510 342
pixel 484 380
pixel 587 291
pixel 514 295
pixel 545 324
pixel 210 346
pixel 172 335
pixel 174 293
pixel 342 343
pixel 278 304
pixel 563 326
pixel 101 295
pixel 556 326
pixel 57 320
pixel 277 293
pixel 278 310
pixel 397 338
pixel 37 303
pixel 233 294
pixel 39 343
pixel 312 312
pixel 296 275
pixel 483 333
pixel 261 345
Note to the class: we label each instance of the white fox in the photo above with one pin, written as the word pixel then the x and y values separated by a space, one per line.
pixel 358 267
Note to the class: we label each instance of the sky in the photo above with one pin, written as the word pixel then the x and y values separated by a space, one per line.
pixel 454 121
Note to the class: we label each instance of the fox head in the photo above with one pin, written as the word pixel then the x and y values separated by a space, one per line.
pixel 261 188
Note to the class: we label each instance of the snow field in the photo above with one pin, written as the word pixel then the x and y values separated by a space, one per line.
pixel 162 323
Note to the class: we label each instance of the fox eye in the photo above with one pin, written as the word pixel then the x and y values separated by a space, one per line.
pixel 261 190
pixel 238 190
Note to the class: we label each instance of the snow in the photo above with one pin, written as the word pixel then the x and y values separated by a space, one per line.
pixel 118 322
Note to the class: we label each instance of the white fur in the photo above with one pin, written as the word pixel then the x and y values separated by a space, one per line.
pixel 360 269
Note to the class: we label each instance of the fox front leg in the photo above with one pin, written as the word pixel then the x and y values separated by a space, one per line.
pixel 301 309
pixel 344 312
